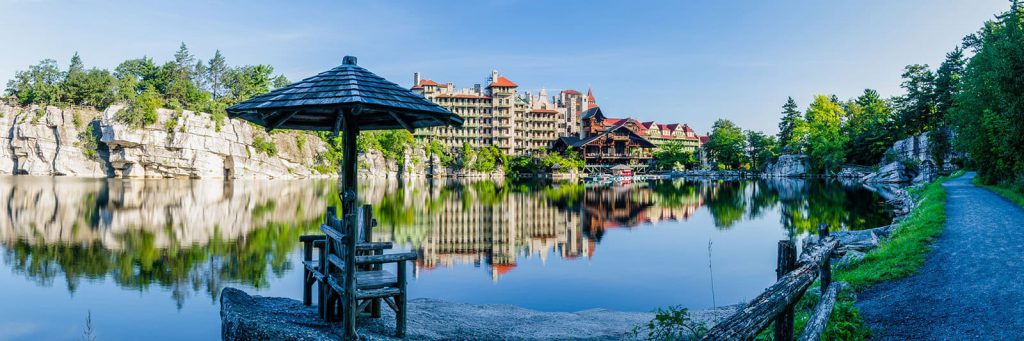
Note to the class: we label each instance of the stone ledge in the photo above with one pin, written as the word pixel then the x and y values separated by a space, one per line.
pixel 246 317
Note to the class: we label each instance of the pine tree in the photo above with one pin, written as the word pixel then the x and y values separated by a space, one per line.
pixel 792 118
pixel 216 73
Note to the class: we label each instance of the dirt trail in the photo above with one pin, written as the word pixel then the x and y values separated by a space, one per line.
pixel 972 283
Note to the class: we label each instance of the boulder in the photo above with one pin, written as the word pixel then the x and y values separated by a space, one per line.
pixel 853 172
pixel 789 166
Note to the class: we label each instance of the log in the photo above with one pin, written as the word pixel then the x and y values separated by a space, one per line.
pixel 747 323
pixel 816 325
pixel 786 263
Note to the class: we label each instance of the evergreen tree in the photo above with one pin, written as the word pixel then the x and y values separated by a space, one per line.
pixel 791 121
pixel 947 83
pixel 216 73
pixel 988 114
pixel 916 109
pixel 868 128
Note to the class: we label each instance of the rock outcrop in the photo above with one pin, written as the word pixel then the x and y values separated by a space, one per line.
pixel 911 160
pixel 789 166
pixel 245 317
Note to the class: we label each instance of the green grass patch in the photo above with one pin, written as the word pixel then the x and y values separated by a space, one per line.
pixel 1008 192
pixel 904 252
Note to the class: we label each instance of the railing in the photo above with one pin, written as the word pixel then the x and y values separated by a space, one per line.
pixel 776 303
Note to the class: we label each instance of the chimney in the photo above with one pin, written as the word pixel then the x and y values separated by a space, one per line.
pixel 477 89
pixel 494 75
pixel 415 78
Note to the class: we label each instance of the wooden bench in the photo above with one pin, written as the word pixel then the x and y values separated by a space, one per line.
pixel 342 294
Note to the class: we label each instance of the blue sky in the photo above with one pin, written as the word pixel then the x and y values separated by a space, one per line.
pixel 673 61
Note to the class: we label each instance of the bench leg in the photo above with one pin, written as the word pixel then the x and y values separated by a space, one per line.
pixel 400 314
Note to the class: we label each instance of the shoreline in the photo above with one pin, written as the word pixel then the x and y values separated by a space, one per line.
pixel 251 317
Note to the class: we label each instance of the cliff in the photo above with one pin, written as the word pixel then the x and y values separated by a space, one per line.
pixel 84 142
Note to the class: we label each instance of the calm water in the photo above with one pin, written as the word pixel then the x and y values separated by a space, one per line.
pixel 147 259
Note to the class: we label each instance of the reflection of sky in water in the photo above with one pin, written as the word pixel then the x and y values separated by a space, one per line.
pixel 632 269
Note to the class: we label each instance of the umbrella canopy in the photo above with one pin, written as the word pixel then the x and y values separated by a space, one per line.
pixel 321 102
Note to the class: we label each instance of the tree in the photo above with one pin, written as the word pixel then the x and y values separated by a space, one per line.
pixel 868 128
pixel 727 144
pixel 216 75
pixel 40 84
pixel 916 109
pixel 947 83
pixel 762 149
pixel 987 112
pixel 792 128
pixel 824 139
pixel 673 156
pixel 248 81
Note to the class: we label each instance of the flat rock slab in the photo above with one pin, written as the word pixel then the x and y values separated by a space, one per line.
pixel 246 317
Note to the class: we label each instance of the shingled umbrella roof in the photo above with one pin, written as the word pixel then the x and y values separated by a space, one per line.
pixel 317 103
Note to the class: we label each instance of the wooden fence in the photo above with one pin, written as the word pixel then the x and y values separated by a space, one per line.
pixel 776 303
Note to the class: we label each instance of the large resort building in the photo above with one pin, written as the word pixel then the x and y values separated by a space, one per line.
pixel 522 123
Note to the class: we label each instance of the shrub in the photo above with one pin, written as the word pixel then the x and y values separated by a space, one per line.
pixel 264 146
pixel 672 323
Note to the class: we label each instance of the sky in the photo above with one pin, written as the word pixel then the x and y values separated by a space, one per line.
pixel 673 61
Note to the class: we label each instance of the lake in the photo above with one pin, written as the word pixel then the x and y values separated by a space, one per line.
pixel 146 259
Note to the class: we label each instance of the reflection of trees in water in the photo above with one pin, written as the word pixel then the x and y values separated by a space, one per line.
pixel 167 233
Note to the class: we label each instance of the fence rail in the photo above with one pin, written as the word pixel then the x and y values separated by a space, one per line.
pixel 776 303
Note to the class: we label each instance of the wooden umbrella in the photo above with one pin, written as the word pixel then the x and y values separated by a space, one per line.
pixel 346 99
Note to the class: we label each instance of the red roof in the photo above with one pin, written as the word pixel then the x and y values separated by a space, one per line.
pixel 703 139
pixel 570 92
pixel 503 268
pixel 425 82
pixel 503 82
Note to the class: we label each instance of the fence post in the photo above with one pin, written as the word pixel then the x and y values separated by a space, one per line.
pixel 826 266
pixel 786 263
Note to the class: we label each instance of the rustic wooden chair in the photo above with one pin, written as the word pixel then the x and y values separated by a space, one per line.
pixel 344 293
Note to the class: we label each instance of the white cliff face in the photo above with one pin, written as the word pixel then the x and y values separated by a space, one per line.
pixel 82 142
pixel 910 160
pixel 192 146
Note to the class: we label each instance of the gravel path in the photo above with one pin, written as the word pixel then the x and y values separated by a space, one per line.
pixel 972 283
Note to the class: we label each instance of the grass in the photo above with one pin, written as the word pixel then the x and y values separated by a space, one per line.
pixel 898 257
pixel 903 253
pixel 1016 196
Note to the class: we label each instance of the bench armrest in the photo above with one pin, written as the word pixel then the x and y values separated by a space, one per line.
pixel 388 258
pixel 311 237
pixel 374 246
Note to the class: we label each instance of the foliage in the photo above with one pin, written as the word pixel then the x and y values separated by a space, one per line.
pixel 142 111
pixel 989 107
pixel 436 148
pixel 488 159
pixel 672 323
pixel 868 128
pixel 727 144
pixel 825 141
pixel 182 83
pixel 792 128
pixel 673 156
pixel 391 143
pixel 89 141
pixel 264 146
pixel 904 252
pixel 762 149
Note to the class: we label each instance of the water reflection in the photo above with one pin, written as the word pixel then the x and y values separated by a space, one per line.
pixel 496 223
pixel 187 236
pixel 194 237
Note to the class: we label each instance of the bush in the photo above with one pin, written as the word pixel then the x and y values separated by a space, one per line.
pixel 89 141
pixel 672 323
pixel 264 146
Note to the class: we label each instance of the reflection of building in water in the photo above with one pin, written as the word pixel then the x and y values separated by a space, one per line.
pixel 485 225
pixel 465 229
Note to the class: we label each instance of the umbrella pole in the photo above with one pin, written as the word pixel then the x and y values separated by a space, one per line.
pixel 349 197
pixel 349 186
